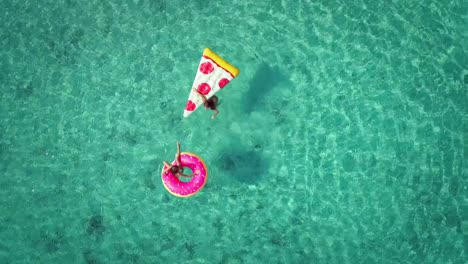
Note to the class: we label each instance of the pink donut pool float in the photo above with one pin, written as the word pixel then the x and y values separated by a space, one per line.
pixel 185 189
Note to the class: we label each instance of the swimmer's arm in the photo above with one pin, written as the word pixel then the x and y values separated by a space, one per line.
pixel 185 175
pixel 215 114
pixel 169 166
pixel 202 96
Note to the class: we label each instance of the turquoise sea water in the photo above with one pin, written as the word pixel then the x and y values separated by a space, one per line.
pixel 343 140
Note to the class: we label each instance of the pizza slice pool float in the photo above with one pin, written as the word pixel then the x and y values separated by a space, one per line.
pixel 213 74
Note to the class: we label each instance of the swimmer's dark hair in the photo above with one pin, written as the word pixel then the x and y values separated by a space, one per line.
pixel 175 169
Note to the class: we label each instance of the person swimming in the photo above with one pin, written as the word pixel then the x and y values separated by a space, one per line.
pixel 178 169
pixel 211 103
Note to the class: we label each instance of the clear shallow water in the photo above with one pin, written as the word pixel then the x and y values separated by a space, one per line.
pixel 341 141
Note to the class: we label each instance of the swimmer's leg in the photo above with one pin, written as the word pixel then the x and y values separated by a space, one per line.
pixel 177 157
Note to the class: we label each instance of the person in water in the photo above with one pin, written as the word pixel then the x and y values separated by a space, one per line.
pixel 211 103
pixel 178 169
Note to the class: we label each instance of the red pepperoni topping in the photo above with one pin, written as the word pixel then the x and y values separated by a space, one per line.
pixel 204 88
pixel 206 67
pixel 190 106
pixel 223 82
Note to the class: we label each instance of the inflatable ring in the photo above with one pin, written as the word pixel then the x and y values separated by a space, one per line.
pixel 185 189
